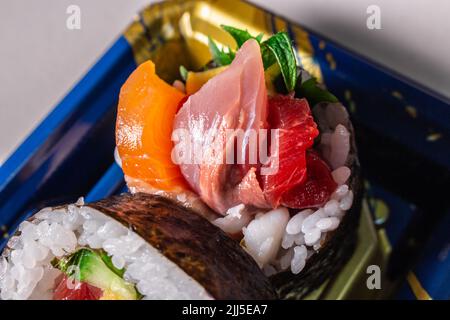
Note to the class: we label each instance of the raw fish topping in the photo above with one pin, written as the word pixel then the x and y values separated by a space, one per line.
pixel 317 188
pixel 67 289
pixel 236 99
pixel 145 114
pixel 297 131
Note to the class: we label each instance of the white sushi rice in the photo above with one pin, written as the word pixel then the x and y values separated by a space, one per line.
pixel 26 272
pixel 264 233
pixel 277 241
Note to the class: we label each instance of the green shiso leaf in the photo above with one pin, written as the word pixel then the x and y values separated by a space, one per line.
pixel 313 93
pixel 240 36
pixel 221 57
pixel 268 57
pixel 183 73
pixel 281 48
pixel 277 49
pixel 259 37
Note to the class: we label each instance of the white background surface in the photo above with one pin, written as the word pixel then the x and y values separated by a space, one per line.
pixel 40 59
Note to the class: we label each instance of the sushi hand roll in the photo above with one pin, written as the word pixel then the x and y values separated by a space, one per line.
pixel 130 247
pixel 290 191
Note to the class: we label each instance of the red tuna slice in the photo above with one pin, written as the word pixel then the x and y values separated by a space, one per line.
pixel 317 188
pixel 67 289
pixel 296 134
pixel 234 99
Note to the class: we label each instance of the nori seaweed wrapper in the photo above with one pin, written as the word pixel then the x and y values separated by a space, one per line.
pixel 198 247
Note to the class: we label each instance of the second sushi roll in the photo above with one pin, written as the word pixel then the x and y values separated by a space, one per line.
pixel 127 247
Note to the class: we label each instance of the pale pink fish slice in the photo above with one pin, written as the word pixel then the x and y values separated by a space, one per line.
pixel 234 99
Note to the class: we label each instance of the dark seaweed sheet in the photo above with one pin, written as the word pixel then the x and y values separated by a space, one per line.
pixel 198 247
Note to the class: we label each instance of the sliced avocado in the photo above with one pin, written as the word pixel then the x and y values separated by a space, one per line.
pixel 93 270
pixel 107 260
